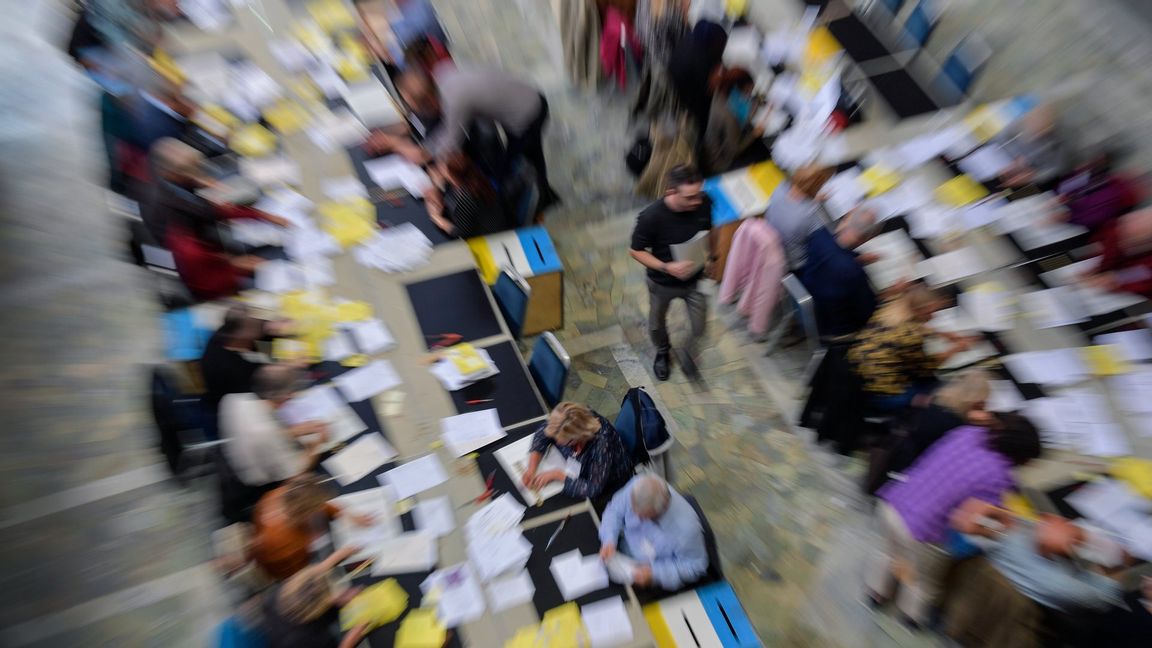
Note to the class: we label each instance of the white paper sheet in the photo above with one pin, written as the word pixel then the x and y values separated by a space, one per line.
pixel 256 233
pixel 461 598
pixel 343 188
pixel 471 431
pixel 339 126
pixel 1105 499
pixel 371 103
pixel 395 249
pixel 304 243
pixel 371 336
pixel 494 555
pixel 365 382
pixel 279 276
pixel 992 310
pixel 1135 346
pixel 270 170
pixel 414 551
pixel 1133 391
pixel 621 568
pixel 952 267
pixel 607 623
pixel 415 476
pixel 291 54
pixel 209 72
pixel 359 458
pixel 499 516
pixel 577 575
pixel 1056 367
pixel 510 591
pixel 1053 307
pixel 374 502
pixel 985 163
pixel 393 171
pixel 323 403
pixel 694 249
pixel 1004 397
pixel 329 82
pixel 435 515
pixel 513 458
pixel 254 86
pixel 899 259
pixel 338 346
pixel 449 376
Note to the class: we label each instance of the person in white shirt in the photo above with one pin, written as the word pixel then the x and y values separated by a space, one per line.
pixel 261 449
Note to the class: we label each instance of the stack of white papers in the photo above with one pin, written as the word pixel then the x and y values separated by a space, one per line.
pixel 371 103
pixel 493 555
pixel 343 188
pixel 985 163
pixel 414 551
pixel 338 346
pixel 279 276
pixel 932 221
pixel 435 516
pixel 451 378
pixel 1058 367
pixel 843 192
pixel 980 351
pixel 952 267
pixel 1133 392
pixel 359 459
pixel 1054 307
pixel 393 172
pixel 338 128
pixel 577 575
pixel 304 243
pixel 497 517
pixel 1087 300
pixel 253 86
pixel 513 458
pixel 469 432
pixel 370 336
pixel 1078 420
pixel 1003 397
pixel 992 310
pixel 899 259
pixel 318 272
pixel 365 382
pixel 460 597
pixel 607 623
pixel 374 502
pixel 955 141
pixel 415 476
pixel 395 249
pixel 510 591
pixel 1134 346
pixel 291 54
pixel 290 204
pixel 271 170
pixel 323 403
pixel 256 233
pixel 1114 506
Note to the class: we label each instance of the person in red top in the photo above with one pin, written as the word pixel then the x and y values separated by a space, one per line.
pixel 1126 265
pixel 189 223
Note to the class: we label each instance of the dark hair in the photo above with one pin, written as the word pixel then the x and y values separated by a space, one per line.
pixel 1014 437
pixel 235 319
pixel 469 176
pixel 682 174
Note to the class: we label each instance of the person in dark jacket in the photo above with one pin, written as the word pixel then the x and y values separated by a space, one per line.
pixel 465 204
pixel 693 62
pixel 304 611
pixel 834 275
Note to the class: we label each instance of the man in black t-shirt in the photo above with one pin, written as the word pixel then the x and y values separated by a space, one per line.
pixel 680 215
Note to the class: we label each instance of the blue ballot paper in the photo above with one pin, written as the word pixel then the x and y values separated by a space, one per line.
pixel 184 338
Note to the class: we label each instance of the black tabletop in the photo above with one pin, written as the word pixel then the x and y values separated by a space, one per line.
pixel 502 482
pixel 456 303
pixel 579 533
pixel 857 39
pixel 511 391
pixel 401 207
pixel 903 94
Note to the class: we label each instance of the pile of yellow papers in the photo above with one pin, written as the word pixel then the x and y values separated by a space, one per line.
pixel 253 140
pixel 331 15
pixel 822 45
pixel 421 629
pixel 351 70
pixel 313 38
pixel 378 604
pixel 562 627
pixel 354 49
pixel 346 225
pixel 1019 506
pixel 525 637
pixel 959 191
pixel 985 123
pixel 353 311
pixel 1103 360
pixel 163 64
pixel 215 120
pixel 767 176
pixel 879 179
pixel 1135 472
pixel 466 359
pixel 287 117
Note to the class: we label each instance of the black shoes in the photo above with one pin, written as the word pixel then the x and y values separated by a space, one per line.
pixel 661 366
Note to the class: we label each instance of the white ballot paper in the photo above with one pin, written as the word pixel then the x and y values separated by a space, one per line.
pixel 279 276
pixel 954 266
pixel 1058 367
pixel 498 516
pixel 393 171
pixel 371 336
pixel 460 597
pixel 510 591
pixel 323 403
pixel 365 382
pixel 343 188
pixel 694 249
pixel 1135 346
pixel 372 104
pixel 414 551
pixel 359 459
pixel 513 458
pixel 468 432
pixel 374 502
pixel 577 575
pixel 607 623
pixel 414 477
pixel 1053 307
pixel 620 568
pixel 435 516
pixel 1003 396
pixel 493 555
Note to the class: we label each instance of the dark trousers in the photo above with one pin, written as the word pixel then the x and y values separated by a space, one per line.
pixel 660 297
pixel 530 144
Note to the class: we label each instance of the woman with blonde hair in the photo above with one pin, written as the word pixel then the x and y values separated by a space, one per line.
pixel 597 461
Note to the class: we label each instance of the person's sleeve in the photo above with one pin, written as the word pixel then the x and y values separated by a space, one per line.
pixel 1136 277
pixel 612 522
pixel 540 442
pixel 229 211
pixel 642 238
pixel 594 476
pixel 690 561
pixel 449 135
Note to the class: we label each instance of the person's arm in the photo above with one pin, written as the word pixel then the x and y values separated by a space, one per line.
pixel 612 522
pixel 540 445
pixel 229 211
pixel 354 636
pixel 434 201
pixel 642 242
pixel 690 560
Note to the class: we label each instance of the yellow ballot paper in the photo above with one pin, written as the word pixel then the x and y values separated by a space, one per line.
pixel 562 627
pixel 484 259
pixel 879 179
pixel 163 64
pixel 525 637
pixel 288 349
pixel 466 359
pixel 331 15
pixel 215 119
pixel 421 629
pixel 287 117
pixel 1135 472
pixel 353 311
pixel 378 604
pixel 346 226
pixel 354 49
pixel 960 191
pixel 1103 360
pixel 822 45
pixel 351 70
pixel 1019 506
pixel 766 176
pixel 305 89
pixel 358 360
pixel 985 123
pixel 253 140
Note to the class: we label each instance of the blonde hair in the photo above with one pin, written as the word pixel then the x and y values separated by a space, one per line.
pixel 810 179
pixel 572 423
pixel 916 297
pixel 964 393
pixel 305 496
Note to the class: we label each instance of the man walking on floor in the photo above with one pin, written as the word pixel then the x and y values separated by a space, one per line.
pixel 678 217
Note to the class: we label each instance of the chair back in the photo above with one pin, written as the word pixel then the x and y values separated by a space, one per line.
pixel 234 634
pixel 512 292
pixel 805 309
pixel 965 62
pixel 920 24
pixel 549 368
pixel 715 571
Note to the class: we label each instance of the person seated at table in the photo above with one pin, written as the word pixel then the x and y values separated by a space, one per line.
pixel 598 462
pixel 795 213
pixel 464 203
pixel 661 532
pixel 189 224
pixel 834 275
pixel 730 131
pixel 304 611
pixel 1126 262
pixel 230 360
pixel 889 354
pixel 453 98
pixel 969 462
pixel 288 519
pixel 1095 194
pixel 1036 148
pixel 261 450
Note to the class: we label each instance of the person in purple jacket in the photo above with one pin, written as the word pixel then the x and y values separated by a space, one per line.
pixel 968 462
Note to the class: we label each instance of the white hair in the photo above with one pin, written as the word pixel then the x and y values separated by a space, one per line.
pixel 650 496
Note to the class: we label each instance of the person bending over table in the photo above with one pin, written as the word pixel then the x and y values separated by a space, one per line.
pixel 190 224
pixel 464 203
pixel 834 275
pixel 794 211
pixel 889 354
pixel 230 358
pixel 661 532
pixel 304 611
pixel 969 462
pixel 261 450
pixel 597 461
pixel 1126 265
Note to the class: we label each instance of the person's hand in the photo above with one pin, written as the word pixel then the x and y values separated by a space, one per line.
pixel 440 222
pixel 1057 536
pixel 246 262
pixel 607 551
pixel 642 576
pixel 866 258
pixel 414 153
pixel 363 519
pixel 1103 281
pixel 544 478
pixel 529 477
pixel 379 142
pixel 680 269
pixel 971 517
pixel 342 554
pixel 710 269
pixel 981 417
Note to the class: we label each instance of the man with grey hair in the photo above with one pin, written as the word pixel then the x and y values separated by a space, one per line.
pixel 661 530
pixel 261 449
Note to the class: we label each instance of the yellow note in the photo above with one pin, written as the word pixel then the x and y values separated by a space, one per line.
pixel 354 49
pixel 376 605
pixel 421 629
pixel 347 228
pixel 985 123
pixel 466 359
pixel 163 64
pixel 287 117
pixel 353 311
pixel 879 179
pixel 1016 503
pixel 1103 360
pixel 767 176
pixel 822 45
pixel 253 140
pixel 736 8
pixel 288 349
pixel 355 361
pixel 351 70
pixel 562 627
pixel 331 15
pixel 484 259
pixel 960 191
pixel 524 638
pixel 1136 472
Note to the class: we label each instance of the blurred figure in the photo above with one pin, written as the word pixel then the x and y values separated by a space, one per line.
pixel 889 354
pixel 230 359
pixel 969 462
pixel 661 532
pixel 189 222
pixel 1126 263
pixel 730 131
pixel 795 213
pixel 834 275
pixel 684 212
pixel 1095 194
pixel 960 401
pixel 451 98
pixel 304 611
pixel 261 450
pixel 1036 148
pixel 598 462
pixel 465 204
pixel 690 68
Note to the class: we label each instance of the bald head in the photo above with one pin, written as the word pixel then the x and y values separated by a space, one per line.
pixel 176 161
pixel 650 497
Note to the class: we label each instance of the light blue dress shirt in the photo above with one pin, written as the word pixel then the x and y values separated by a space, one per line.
pixel 673 544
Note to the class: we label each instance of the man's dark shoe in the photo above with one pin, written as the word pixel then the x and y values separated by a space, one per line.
pixel 688 365
pixel 660 367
